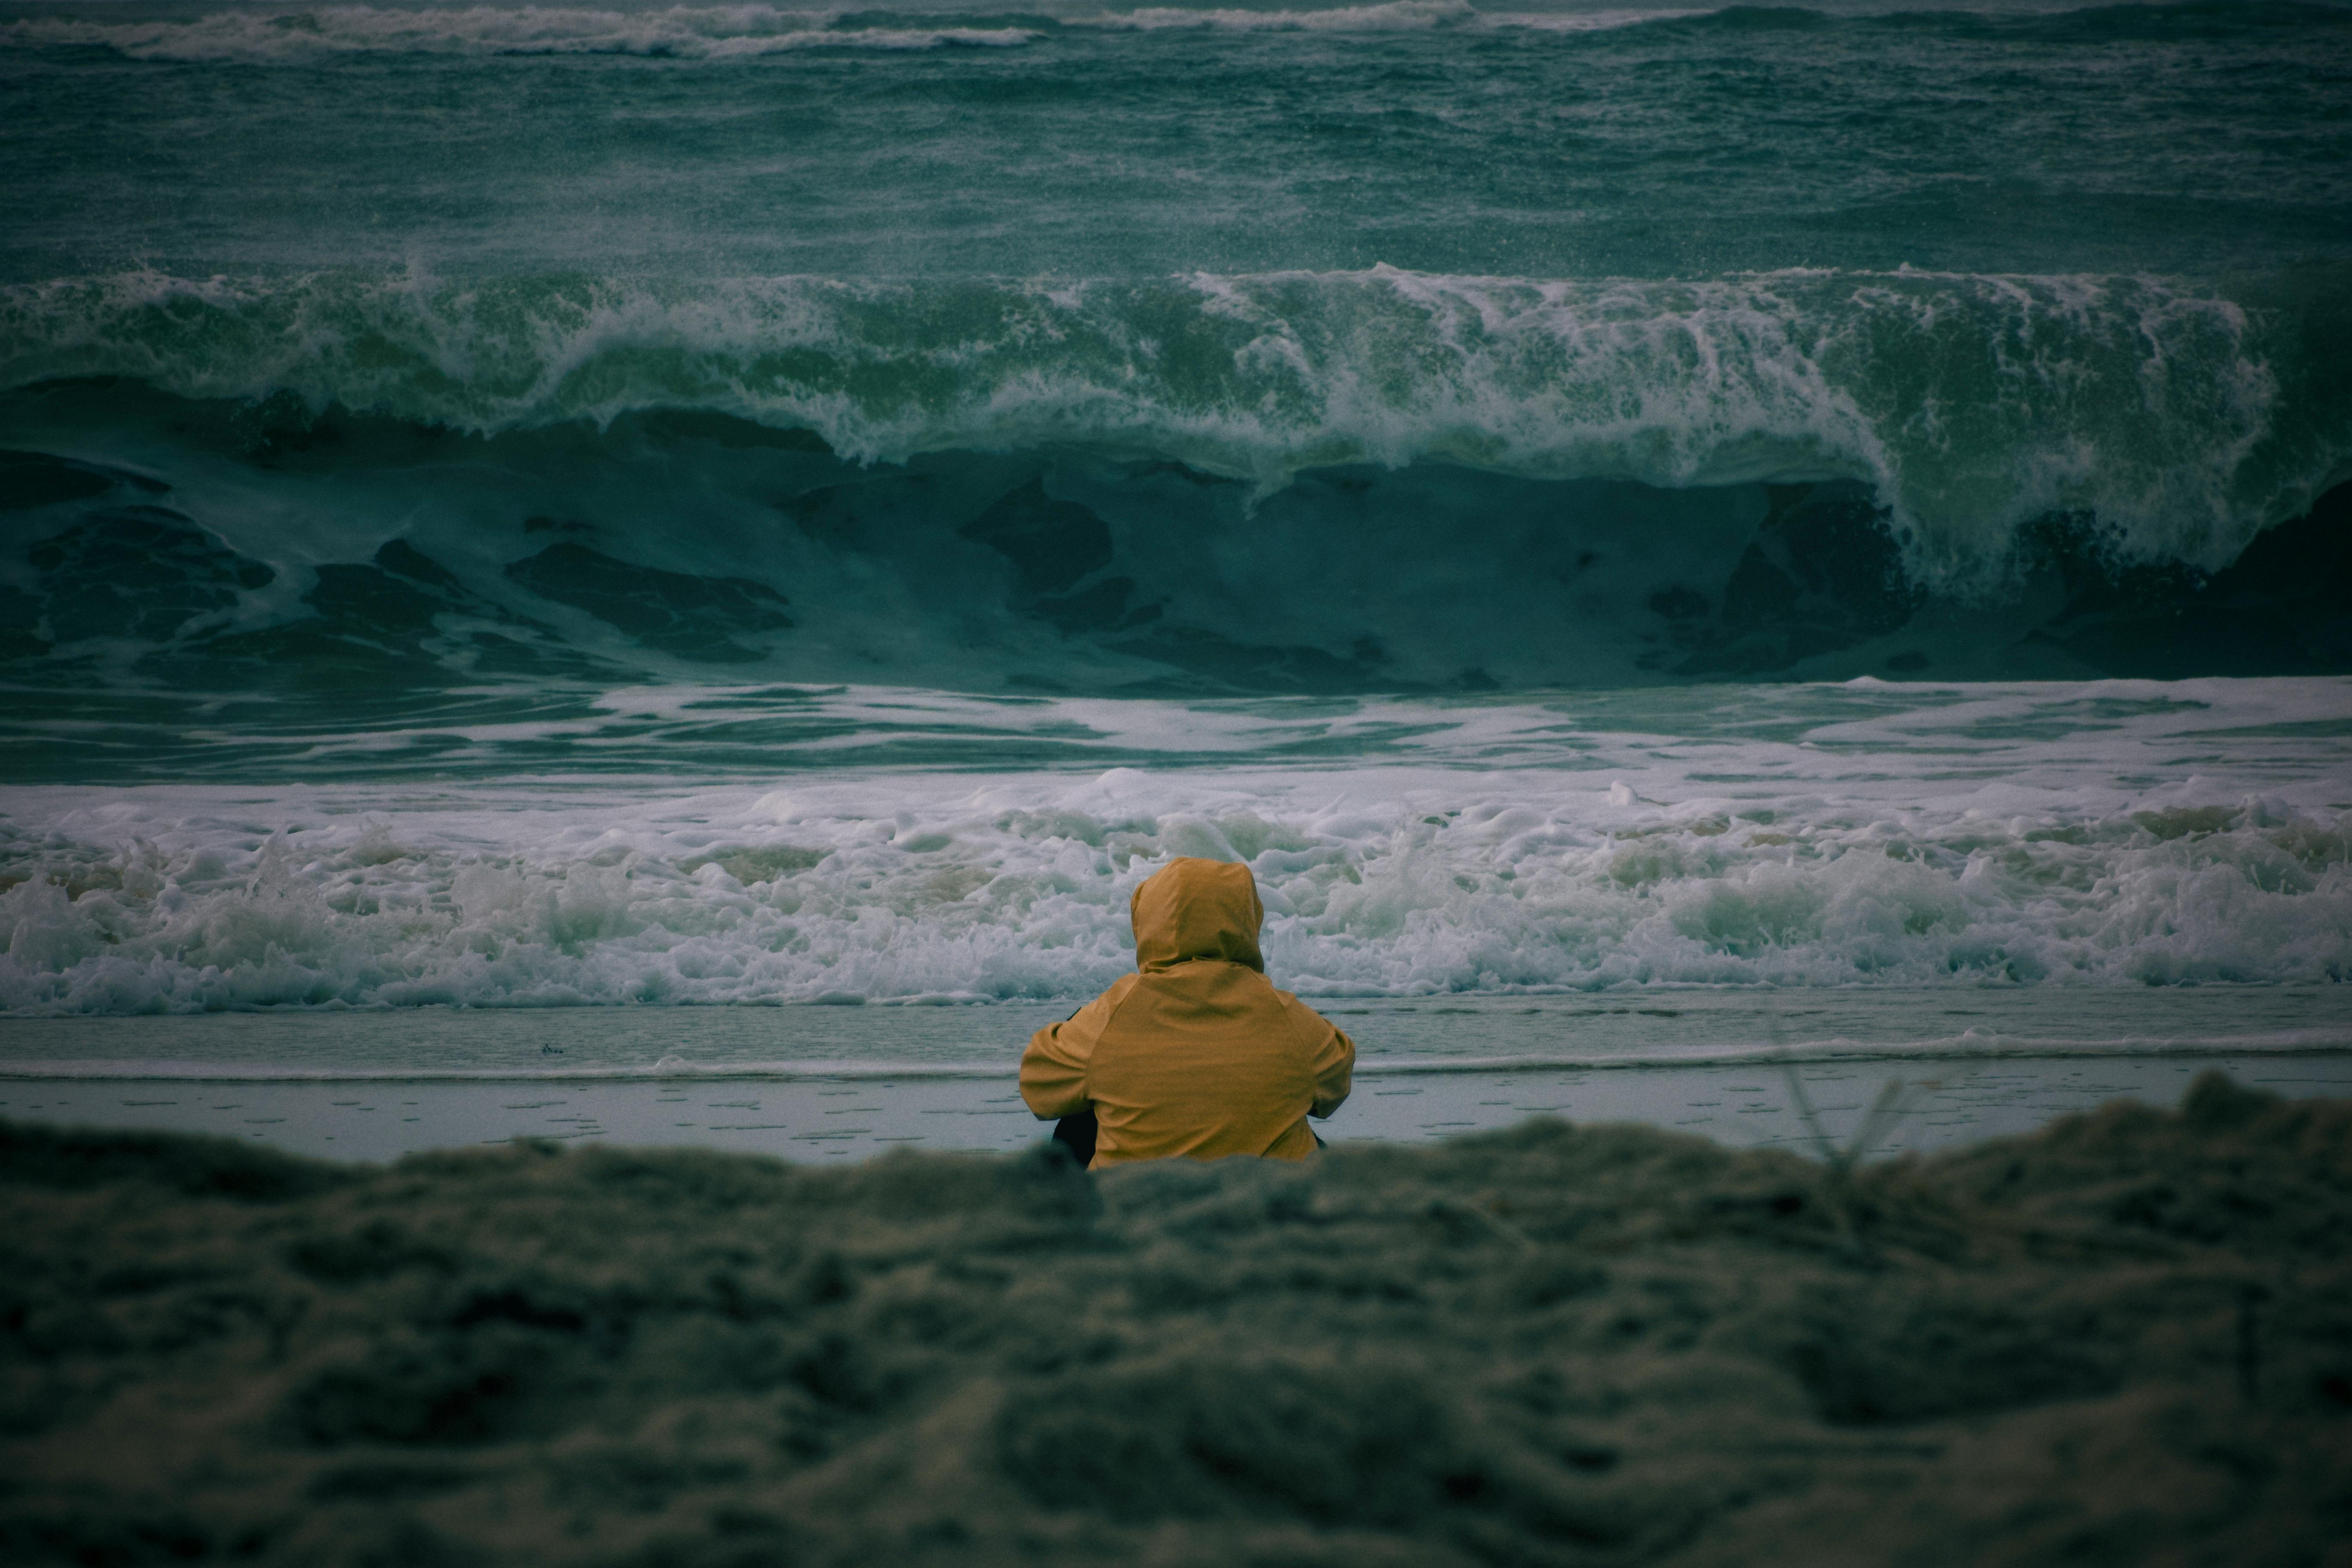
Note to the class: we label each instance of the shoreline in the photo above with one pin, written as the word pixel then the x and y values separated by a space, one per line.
pixel 1833 1053
pixel 809 1115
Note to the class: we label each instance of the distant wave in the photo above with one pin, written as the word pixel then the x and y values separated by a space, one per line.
pixel 752 31
pixel 2184 421
pixel 678 32
pixel 1394 16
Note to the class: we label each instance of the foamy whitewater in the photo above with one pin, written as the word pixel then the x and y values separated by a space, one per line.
pixel 1867 834
pixel 554 507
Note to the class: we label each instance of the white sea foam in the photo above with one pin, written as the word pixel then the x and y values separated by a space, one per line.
pixel 2024 836
pixel 1395 15
pixel 1587 21
pixel 683 32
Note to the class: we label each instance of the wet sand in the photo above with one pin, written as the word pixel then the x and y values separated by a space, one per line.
pixel 815 1116
pixel 1669 1025
pixel 2124 1339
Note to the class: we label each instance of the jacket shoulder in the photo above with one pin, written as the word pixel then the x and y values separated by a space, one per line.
pixel 1312 1028
pixel 1097 1014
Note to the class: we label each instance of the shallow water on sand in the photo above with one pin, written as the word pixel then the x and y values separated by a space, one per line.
pixel 1723 1024
pixel 1869 1107
pixel 849 1082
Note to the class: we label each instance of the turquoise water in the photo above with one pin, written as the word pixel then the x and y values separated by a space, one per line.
pixel 692 144
pixel 393 351
pixel 560 507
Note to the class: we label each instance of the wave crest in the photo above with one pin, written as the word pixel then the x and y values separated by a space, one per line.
pixel 717 32
pixel 750 31
pixel 1972 405
pixel 1393 16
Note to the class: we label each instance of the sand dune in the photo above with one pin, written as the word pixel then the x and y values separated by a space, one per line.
pixel 2124 1339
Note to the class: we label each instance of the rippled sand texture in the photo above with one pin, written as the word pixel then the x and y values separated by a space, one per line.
pixel 2124 1340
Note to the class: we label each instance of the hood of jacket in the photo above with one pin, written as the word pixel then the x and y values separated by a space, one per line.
pixel 1197 909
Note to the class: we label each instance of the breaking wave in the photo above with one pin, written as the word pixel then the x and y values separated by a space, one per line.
pixel 2183 420
pixel 677 32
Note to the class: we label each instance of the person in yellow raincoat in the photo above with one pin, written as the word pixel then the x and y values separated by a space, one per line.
pixel 1196 1053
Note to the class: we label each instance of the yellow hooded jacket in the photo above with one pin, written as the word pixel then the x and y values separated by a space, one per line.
pixel 1197 1053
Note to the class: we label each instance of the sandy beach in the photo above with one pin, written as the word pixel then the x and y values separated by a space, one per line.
pixel 2120 1340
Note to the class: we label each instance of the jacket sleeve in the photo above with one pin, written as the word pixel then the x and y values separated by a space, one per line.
pixel 1332 1059
pixel 1054 1068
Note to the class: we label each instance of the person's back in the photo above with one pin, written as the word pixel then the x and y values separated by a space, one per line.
pixel 1196 1053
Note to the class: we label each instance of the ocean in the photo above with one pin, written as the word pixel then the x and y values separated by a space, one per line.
pixel 1665 530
